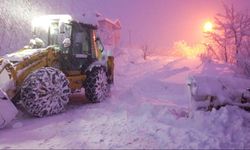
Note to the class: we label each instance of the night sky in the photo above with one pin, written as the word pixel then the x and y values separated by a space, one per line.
pixel 158 23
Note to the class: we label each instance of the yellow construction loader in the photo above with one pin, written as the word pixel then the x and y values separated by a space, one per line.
pixel 63 55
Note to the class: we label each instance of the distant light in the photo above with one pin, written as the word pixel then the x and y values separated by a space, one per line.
pixel 208 27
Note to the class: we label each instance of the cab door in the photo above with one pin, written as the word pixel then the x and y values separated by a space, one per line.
pixel 80 53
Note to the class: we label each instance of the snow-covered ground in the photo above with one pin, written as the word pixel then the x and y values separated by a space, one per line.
pixel 148 108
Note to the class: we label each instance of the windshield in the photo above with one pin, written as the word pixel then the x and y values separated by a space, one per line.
pixel 81 42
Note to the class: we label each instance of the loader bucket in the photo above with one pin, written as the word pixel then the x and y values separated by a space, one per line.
pixel 8 110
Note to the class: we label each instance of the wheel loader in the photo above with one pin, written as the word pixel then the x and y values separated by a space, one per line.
pixel 63 56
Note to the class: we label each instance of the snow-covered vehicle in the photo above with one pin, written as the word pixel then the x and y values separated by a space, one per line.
pixel 64 55
pixel 208 92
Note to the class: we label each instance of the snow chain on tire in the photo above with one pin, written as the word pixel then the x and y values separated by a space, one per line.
pixel 96 84
pixel 45 92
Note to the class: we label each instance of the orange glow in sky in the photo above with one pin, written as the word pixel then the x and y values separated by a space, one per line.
pixel 208 26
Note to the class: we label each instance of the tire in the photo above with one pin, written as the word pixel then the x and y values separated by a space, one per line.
pixel 45 92
pixel 96 84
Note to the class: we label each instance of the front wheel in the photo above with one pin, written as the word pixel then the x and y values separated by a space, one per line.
pixel 45 92
pixel 96 84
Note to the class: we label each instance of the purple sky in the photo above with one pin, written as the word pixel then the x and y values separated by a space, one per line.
pixel 157 22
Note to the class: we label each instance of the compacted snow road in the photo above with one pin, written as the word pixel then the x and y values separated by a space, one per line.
pixel 148 108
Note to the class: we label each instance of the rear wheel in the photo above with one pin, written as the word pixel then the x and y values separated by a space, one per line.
pixel 45 92
pixel 96 85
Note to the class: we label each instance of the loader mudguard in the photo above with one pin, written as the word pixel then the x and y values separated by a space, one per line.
pixel 96 64
pixel 8 110
pixel 108 63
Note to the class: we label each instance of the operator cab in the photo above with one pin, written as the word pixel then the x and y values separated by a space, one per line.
pixel 76 42
pixel 83 50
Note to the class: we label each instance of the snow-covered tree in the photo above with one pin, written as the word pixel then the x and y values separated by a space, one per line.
pixel 230 39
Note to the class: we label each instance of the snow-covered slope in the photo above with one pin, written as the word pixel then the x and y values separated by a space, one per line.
pixel 148 108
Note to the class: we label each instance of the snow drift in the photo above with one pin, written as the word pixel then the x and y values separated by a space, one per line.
pixel 148 108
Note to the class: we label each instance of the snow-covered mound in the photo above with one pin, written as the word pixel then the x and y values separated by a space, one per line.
pixel 127 58
pixel 148 108
pixel 225 128
pixel 217 91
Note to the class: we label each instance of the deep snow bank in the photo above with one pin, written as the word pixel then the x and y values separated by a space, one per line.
pixel 227 127
pixel 148 108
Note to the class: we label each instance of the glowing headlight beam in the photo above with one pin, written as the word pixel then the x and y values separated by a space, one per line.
pixel 42 22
